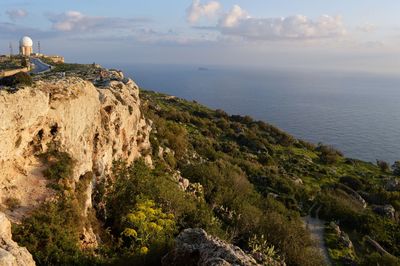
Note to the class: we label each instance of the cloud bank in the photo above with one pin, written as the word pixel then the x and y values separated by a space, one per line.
pixel 237 22
pixel 74 21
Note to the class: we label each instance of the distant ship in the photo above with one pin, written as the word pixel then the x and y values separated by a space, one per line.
pixel 203 69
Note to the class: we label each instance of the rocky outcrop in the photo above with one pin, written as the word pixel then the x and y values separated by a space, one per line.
pixel 353 194
pixel 10 253
pixel 392 184
pixel 377 246
pixel 95 125
pixel 343 238
pixel 387 211
pixel 196 247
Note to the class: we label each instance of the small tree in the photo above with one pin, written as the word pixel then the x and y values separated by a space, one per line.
pixel 384 166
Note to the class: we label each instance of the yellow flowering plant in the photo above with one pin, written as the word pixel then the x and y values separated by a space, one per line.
pixel 146 225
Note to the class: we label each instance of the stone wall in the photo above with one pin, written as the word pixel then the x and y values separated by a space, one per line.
pixel 7 73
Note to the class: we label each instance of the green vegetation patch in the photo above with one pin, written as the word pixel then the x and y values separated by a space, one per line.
pixel 339 246
pixel 19 79
pixel 52 232
pixel 60 165
pixel 67 67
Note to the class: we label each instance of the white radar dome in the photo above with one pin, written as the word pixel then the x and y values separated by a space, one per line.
pixel 26 42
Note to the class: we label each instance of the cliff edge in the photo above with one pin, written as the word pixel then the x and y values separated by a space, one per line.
pixel 94 125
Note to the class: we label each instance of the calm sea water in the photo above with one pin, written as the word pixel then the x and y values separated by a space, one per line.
pixel 357 113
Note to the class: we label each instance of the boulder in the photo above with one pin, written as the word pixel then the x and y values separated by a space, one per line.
pixel 385 210
pixel 196 247
pixel 393 185
pixel 345 240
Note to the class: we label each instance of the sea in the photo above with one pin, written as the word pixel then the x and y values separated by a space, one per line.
pixel 357 113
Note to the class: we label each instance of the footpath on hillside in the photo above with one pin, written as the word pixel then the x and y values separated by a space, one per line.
pixel 316 227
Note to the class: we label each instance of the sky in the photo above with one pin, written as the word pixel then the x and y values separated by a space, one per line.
pixel 354 35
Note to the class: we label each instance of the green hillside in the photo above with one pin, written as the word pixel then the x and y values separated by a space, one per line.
pixel 245 181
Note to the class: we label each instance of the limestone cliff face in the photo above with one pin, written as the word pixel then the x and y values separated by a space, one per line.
pixel 10 253
pixel 94 125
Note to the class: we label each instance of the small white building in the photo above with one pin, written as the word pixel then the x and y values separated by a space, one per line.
pixel 25 46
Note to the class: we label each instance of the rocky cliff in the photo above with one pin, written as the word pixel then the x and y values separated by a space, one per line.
pixel 10 253
pixel 95 125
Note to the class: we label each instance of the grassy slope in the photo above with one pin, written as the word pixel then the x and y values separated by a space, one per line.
pixel 272 160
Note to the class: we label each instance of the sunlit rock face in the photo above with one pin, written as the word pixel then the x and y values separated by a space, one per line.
pixel 94 125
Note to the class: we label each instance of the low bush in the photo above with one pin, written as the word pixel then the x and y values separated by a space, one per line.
pixel 328 154
pixel 12 203
pixel 21 78
pixel 53 230
pixel 59 164
pixel 338 205
pixel 146 226
pixel 384 166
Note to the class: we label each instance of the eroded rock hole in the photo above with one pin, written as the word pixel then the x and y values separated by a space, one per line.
pixel 40 135
pixel 108 109
pixel 54 129
pixel 95 141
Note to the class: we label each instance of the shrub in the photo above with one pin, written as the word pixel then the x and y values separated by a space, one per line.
pixel 12 203
pixel 338 205
pixel 258 244
pixel 328 154
pixel 21 78
pixel 138 180
pixel 60 164
pixel 51 233
pixel 175 136
pixel 289 236
pixel 147 225
pixel 352 182
pixel 384 166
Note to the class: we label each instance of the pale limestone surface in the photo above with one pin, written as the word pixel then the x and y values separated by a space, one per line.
pixel 94 125
pixel 194 246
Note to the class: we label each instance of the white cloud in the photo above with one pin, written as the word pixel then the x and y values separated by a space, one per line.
pixel 232 18
pixel 238 23
pixel 74 21
pixel 197 10
pixel 16 14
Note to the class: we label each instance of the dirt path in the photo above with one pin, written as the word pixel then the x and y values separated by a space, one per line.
pixel 316 227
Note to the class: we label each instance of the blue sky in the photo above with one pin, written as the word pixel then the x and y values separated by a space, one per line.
pixel 340 34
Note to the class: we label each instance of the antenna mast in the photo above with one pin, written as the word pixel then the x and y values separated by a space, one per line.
pixel 11 49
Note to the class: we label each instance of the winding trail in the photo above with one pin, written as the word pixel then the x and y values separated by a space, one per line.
pixel 316 227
